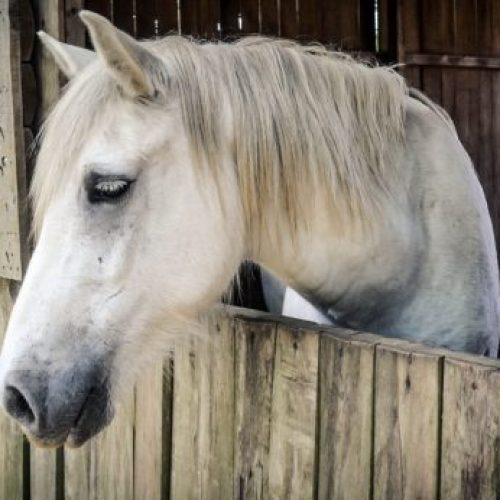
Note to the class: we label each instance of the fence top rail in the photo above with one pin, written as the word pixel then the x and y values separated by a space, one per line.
pixel 379 341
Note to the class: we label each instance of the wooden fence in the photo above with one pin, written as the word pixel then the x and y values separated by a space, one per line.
pixel 279 409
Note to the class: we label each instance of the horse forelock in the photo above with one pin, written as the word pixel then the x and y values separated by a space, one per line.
pixel 305 122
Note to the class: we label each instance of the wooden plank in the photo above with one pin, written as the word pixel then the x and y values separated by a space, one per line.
pixel 345 417
pixel 289 22
pixel 29 94
pixel 431 83
pixel 112 456
pixel 470 466
pixel 12 452
pixel 103 468
pixel 269 21
pixel 449 60
pixel 167 15
pixel 78 481
pixel 203 414
pixel 46 473
pixel 123 18
pixel 465 27
pixel 250 16
pixel 153 431
pixel 436 26
pixel 254 365
pixel 292 453
pixel 12 168
pixel 230 10
pixel 407 421
pixel 27 29
pixel 146 16
pixel 50 15
pixel 74 28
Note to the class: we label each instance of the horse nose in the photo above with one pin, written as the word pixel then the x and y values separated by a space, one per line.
pixel 51 409
pixel 25 398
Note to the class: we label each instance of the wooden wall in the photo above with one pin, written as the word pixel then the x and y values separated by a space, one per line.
pixel 277 409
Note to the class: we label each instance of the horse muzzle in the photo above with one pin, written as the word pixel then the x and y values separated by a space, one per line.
pixel 56 409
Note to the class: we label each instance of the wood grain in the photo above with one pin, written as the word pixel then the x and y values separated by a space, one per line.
pixel 254 366
pixel 202 450
pixel 407 421
pixel 12 167
pixel 470 466
pixel 345 416
pixel 292 452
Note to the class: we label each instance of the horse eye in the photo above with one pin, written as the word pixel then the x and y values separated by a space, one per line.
pixel 106 188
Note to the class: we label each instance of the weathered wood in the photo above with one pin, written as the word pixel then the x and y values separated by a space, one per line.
pixel 74 28
pixel 11 448
pixel 50 15
pixel 292 453
pixel 203 421
pixel 153 430
pixel 12 187
pixel 254 367
pixel 449 60
pixel 407 421
pixel 112 457
pixel 29 94
pixel 27 29
pixel 470 465
pixel 345 417
pixel 45 473
pixel 103 468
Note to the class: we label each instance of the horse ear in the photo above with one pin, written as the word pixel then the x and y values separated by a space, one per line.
pixel 69 59
pixel 128 61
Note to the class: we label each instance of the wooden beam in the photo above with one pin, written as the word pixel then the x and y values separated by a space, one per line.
pixel 447 60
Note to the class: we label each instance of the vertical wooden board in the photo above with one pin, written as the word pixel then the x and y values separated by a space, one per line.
pixel 465 25
pixel 111 457
pixel 269 21
pixel 308 17
pixel 345 418
pixel 230 10
pixel 292 452
pixel 103 7
pixel 11 143
pixel 203 413
pixel 74 28
pixel 189 10
pixel 254 373
pixel 470 466
pixel 250 16
pixel 78 482
pixel 410 19
pixel 167 15
pixel 289 26
pixel 407 422
pixel 153 432
pixel 437 28
pixel 486 138
pixel 146 17
pixel 27 29
pixel 123 17
pixel 44 473
pixel 11 439
pixel 209 19
pixel 431 83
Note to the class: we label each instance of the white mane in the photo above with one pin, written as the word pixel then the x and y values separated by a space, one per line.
pixel 305 121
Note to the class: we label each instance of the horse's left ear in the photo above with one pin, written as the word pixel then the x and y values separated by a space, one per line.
pixel 129 62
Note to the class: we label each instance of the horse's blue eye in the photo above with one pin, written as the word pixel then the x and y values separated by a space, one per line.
pixel 106 188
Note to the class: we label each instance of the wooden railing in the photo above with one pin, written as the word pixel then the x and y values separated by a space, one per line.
pixel 274 408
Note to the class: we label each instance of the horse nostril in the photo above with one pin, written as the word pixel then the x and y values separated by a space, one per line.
pixel 17 405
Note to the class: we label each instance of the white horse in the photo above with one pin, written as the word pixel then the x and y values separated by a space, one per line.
pixel 166 164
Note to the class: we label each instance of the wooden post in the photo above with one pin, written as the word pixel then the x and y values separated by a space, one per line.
pixel 12 163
